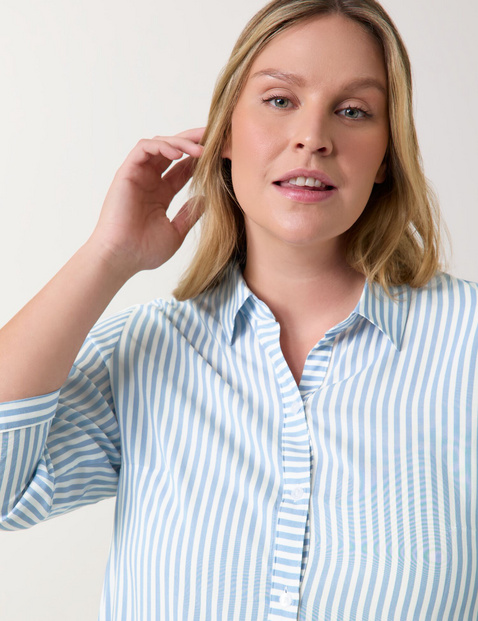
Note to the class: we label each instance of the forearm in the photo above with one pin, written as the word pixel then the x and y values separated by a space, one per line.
pixel 39 345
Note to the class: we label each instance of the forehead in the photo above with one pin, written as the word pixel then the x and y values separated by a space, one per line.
pixel 324 47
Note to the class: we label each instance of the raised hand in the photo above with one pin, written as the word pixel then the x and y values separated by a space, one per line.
pixel 134 231
pixel 39 345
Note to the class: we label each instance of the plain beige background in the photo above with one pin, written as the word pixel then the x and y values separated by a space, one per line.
pixel 80 84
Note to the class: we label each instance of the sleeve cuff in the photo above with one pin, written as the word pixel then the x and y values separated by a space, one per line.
pixel 28 412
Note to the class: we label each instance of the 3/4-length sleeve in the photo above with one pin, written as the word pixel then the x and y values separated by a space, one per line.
pixel 62 450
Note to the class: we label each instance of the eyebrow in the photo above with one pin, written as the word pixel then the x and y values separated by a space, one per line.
pixel 297 80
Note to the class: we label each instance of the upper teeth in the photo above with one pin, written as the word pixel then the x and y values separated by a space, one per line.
pixel 307 181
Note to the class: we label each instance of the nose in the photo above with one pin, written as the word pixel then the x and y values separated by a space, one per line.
pixel 313 133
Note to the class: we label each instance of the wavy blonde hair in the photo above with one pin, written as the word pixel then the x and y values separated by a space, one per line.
pixel 396 239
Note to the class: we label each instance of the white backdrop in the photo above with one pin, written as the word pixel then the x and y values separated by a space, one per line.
pixel 81 83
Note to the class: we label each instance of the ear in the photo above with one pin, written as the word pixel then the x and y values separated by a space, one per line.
pixel 226 150
pixel 382 173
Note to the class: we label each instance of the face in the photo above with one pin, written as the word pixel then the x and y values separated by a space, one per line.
pixel 309 134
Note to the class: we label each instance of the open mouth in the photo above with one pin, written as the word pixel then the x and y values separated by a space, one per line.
pixel 305 183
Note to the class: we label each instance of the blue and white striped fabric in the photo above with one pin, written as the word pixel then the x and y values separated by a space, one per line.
pixel 242 496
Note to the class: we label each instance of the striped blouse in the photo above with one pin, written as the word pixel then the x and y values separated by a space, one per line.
pixel 242 496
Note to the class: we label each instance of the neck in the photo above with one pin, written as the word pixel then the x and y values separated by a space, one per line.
pixel 314 283
pixel 308 292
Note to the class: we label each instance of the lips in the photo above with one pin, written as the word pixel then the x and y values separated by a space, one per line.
pixel 309 180
pixel 306 186
pixel 307 183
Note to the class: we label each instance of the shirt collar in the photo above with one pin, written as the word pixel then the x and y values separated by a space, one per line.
pixel 234 294
pixel 388 314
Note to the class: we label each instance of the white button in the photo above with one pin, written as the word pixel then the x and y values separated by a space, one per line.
pixel 285 600
pixel 297 493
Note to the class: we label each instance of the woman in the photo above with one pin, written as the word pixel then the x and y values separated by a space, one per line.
pixel 295 435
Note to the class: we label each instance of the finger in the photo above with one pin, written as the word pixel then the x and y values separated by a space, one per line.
pixel 179 145
pixel 161 153
pixel 194 134
pixel 188 215
pixel 177 176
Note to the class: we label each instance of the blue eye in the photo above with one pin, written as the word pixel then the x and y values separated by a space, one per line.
pixel 281 103
pixel 354 113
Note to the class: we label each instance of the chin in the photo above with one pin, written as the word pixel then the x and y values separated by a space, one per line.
pixel 302 239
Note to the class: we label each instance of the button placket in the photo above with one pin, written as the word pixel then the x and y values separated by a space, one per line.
pixel 291 525
pixel 293 512
pixel 297 493
pixel 285 599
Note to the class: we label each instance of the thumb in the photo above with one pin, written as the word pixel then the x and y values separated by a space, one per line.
pixel 188 215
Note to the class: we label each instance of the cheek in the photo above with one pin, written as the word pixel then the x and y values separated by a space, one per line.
pixel 251 157
pixel 249 147
pixel 252 140
pixel 365 157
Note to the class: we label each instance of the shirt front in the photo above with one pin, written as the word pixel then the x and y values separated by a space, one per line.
pixel 242 496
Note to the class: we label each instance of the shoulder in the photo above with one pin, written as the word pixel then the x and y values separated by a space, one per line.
pixel 445 288
pixel 447 301
pixel 161 317
pixel 205 308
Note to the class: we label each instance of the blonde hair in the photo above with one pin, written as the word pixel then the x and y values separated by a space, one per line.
pixel 396 239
